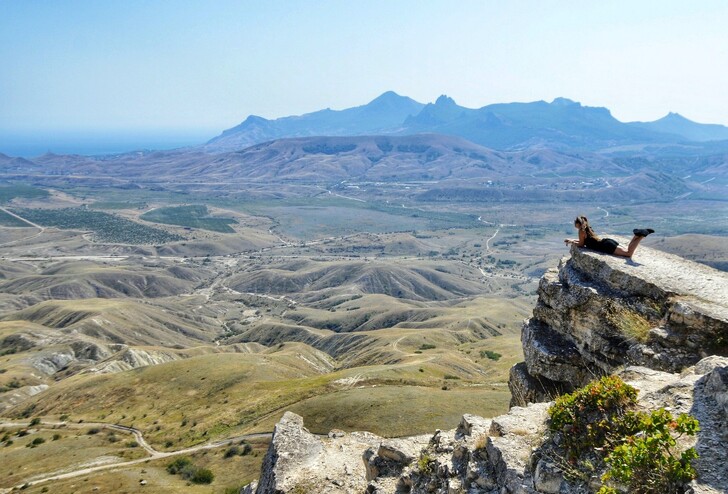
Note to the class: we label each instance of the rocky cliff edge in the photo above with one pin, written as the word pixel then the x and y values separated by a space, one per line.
pixel 658 321
pixel 597 313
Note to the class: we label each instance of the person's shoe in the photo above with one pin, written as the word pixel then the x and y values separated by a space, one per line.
pixel 642 232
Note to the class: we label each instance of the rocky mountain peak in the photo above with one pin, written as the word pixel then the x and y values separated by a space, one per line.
pixel 564 102
pixel 444 100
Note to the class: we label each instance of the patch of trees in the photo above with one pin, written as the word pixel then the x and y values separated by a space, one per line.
pixel 106 227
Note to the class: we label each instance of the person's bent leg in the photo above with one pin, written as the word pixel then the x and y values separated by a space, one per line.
pixel 619 251
pixel 633 244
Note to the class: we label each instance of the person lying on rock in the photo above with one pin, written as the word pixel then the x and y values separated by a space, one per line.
pixel 589 239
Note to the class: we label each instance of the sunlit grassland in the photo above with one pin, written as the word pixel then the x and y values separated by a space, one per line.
pixel 231 472
pixel 63 449
pixel 215 396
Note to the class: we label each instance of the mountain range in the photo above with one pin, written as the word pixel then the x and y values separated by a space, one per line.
pixel 561 124
pixel 535 151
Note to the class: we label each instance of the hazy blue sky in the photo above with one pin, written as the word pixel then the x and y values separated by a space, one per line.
pixel 206 65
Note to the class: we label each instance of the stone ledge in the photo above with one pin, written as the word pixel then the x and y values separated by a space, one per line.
pixel 658 275
pixel 601 312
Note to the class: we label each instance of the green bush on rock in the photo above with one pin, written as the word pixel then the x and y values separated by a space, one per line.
pixel 647 462
pixel 598 425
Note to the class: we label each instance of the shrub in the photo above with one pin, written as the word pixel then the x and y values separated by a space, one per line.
pixel 232 451
pixel 35 421
pixel 202 476
pixel 587 416
pixel 178 464
pixel 490 354
pixel 36 442
pixel 649 462
pixel 600 430
pixel 92 431
pixel 426 463
pixel 481 442
pixel 184 467
pixel 303 487
pixel 427 346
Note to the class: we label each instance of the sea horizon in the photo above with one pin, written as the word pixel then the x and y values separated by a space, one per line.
pixel 31 144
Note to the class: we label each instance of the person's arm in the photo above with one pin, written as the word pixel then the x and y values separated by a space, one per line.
pixel 578 242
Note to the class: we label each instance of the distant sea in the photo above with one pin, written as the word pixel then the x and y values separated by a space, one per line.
pixel 31 144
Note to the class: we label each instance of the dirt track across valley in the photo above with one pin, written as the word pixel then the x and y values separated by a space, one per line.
pixel 139 437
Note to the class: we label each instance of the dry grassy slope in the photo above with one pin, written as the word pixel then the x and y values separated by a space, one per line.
pixel 414 157
pixel 401 281
pixel 246 383
pixel 108 283
pixel 706 249
pixel 386 320
pixel 229 388
pixel 377 311
pixel 78 448
pixel 210 396
pixel 35 355
pixel 123 321
pixel 64 448
pixel 11 270
pixel 81 279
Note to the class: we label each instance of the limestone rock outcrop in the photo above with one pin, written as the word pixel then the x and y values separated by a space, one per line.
pixel 658 321
pixel 597 313
pixel 487 456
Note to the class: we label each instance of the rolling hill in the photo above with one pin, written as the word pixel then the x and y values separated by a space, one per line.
pixel 674 123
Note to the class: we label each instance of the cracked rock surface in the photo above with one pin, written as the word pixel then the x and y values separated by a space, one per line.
pixel 489 456
pixel 597 313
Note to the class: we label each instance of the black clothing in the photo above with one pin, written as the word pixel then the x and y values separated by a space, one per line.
pixel 606 245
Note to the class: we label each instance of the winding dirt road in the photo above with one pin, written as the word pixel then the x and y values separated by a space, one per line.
pixel 139 437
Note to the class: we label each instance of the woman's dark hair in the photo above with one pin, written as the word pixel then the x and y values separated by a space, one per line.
pixel 583 224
